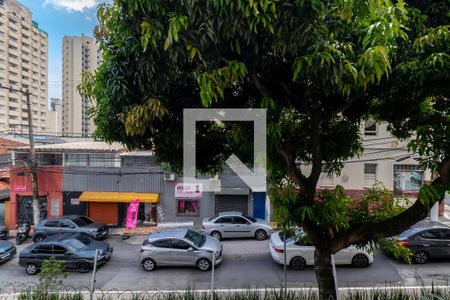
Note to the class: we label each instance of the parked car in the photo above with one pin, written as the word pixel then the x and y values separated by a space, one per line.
pixel 425 240
pixel 7 250
pixel 300 253
pixel 70 224
pixel 236 225
pixel 180 247
pixel 76 250
pixel 3 232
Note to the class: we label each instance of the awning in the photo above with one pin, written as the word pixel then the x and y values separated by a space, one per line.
pixel 118 197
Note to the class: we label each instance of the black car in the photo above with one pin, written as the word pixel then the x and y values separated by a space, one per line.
pixel 76 250
pixel 426 239
pixel 3 232
pixel 70 224
pixel 7 251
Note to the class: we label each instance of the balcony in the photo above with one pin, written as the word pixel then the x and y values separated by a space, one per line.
pixel 14 43
pixel 26 74
pixel 13 26
pixel 26 42
pixel 14 77
pixel 14 69
pixel 14 59
pixel 26 26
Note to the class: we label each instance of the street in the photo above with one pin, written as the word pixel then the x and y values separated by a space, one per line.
pixel 247 263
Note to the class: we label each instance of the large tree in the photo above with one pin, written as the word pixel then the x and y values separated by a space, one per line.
pixel 320 68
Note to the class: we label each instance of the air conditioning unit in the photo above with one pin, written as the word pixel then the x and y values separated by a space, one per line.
pixel 169 176
pixel 213 177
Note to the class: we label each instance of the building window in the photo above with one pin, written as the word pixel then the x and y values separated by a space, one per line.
pixel 76 160
pixel 55 207
pixel 370 174
pixel 101 160
pixel 407 178
pixel 188 207
pixel 370 128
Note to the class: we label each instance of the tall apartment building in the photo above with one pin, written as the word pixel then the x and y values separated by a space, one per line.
pixel 23 65
pixel 54 117
pixel 80 54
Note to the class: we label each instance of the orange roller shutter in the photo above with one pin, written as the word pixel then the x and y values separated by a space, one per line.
pixel 104 212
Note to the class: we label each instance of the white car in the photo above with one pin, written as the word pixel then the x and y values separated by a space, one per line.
pixel 300 253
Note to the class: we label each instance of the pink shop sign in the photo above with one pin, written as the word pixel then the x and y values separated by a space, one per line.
pixel 20 188
pixel 188 190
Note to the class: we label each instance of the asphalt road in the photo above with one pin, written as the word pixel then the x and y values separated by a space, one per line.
pixel 246 263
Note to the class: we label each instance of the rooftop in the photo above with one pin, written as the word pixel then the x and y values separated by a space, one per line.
pixel 6 144
pixel 76 147
pixel 138 153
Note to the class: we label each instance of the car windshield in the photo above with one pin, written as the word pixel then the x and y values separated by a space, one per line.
pixel 213 217
pixel 282 235
pixel 79 222
pixel 195 238
pixel 79 242
pixel 250 218
pixel 87 220
pixel 408 232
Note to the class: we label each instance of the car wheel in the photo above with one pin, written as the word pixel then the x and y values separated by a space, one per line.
pixel 83 267
pixel 298 263
pixel 216 235
pixel 260 235
pixel 360 261
pixel 31 269
pixel 38 238
pixel 148 264
pixel 420 257
pixel 203 264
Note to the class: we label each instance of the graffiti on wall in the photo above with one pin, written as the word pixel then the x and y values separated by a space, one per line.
pixel 25 209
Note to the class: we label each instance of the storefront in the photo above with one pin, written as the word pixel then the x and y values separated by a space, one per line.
pixel 49 189
pixel 110 207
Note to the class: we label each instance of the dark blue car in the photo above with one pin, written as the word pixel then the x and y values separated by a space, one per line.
pixel 76 250
pixel 3 232
pixel 7 250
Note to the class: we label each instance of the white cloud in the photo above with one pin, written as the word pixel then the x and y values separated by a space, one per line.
pixel 72 5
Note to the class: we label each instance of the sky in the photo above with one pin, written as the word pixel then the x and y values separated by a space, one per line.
pixel 59 18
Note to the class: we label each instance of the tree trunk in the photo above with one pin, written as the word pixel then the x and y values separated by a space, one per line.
pixel 324 274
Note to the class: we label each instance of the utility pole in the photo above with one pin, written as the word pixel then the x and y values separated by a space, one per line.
pixel 34 180
pixel 33 165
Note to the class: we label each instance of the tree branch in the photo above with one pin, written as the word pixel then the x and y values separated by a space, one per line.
pixel 261 87
pixel 317 153
pixel 342 108
pixel 364 232
pixel 291 168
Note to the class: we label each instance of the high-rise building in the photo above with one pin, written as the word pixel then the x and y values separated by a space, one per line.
pixel 23 65
pixel 80 54
pixel 54 117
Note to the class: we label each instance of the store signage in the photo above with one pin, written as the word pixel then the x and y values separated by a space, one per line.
pixel 75 201
pixel 188 190
pixel 132 214
pixel 20 188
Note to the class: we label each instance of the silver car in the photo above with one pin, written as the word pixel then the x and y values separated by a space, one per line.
pixel 236 225
pixel 180 247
